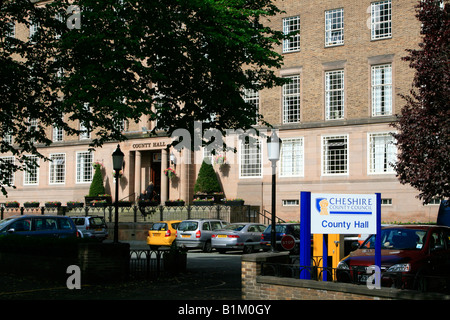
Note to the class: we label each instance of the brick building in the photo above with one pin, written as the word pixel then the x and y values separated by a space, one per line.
pixel 333 116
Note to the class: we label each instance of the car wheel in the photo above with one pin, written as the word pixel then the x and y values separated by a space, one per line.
pixel 207 247
pixel 248 249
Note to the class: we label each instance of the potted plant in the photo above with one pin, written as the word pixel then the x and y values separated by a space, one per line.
pixel 124 203
pixel 97 189
pixel 234 202
pixel 31 204
pixel 12 204
pixel 207 182
pixel 170 173
pixel 75 204
pixel 52 204
pixel 175 203
pixel 203 202
pixel 98 203
pixel 220 159
pixel 147 203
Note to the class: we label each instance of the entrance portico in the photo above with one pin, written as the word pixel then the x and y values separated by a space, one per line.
pixel 147 162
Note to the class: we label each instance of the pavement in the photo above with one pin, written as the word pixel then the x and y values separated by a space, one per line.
pixel 197 283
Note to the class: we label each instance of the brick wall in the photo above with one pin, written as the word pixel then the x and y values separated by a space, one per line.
pixel 257 287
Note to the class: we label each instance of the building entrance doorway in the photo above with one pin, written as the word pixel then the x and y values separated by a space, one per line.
pixel 155 174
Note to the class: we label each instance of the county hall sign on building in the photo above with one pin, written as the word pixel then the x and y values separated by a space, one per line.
pixel 343 213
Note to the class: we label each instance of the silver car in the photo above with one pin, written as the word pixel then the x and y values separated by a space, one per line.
pixel 238 236
pixel 196 233
pixel 91 227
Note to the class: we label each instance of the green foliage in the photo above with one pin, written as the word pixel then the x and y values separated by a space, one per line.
pixel 423 128
pixel 207 181
pixel 97 186
pixel 202 54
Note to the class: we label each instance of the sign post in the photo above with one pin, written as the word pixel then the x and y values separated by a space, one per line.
pixel 326 213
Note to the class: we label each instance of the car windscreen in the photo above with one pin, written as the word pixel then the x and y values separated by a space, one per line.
pixel 5 222
pixel 159 226
pixel 234 227
pixel 188 226
pixel 398 239
pixel 96 222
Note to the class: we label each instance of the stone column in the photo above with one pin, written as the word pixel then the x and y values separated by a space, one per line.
pixel 137 174
pixel 184 177
pixel 164 178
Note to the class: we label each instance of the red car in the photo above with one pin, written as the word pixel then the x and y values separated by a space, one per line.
pixel 412 257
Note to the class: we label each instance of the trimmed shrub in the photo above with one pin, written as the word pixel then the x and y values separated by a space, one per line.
pixel 97 186
pixel 207 181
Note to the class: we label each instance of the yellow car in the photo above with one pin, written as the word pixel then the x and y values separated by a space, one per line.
pixel 162 233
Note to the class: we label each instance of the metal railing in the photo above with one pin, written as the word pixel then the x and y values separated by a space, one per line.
pixel 135 213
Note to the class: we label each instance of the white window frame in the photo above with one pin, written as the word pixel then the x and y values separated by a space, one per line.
pixel 334 94
pixel 381 151
pixel 252 97
pixel 327 158
pixel 31 178
pixel 382 90
pixel 57 168
pixel 290 202
pixel 83 164
pixel 291 100
pixel 250 159
pixel 292 159
pixel 291 24
pixel 334 27
pixel 58 134
pixel 11 174
pixel 381 22
pixel 11 33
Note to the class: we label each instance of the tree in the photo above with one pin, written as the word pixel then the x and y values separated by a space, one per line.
pixel 177 61
pixel 423 126
pixel 207 181
pixel 97 187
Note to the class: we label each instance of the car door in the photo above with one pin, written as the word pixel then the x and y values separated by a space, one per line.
pixel 45 227
pixel 438 253
pixel 20 227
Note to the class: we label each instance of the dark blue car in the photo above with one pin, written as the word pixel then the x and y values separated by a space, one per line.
pixel 38 226
pixel 281 229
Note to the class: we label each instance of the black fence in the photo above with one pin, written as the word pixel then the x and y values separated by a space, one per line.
pixel 242 213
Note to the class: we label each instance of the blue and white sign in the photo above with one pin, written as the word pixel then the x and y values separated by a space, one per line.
pixel 343 213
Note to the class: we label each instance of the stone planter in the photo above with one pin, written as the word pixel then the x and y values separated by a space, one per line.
pixel 31 205
pixel 125 204
pixel 203 203
pixel 53 205
pixel 148 203
pixel 72 205
pixel 234 203
pixel 175 203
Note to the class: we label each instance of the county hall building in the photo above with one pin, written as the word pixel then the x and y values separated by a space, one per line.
pixel 346 73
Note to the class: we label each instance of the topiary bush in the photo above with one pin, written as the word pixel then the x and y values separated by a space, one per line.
pixel 207 181
pixel 97 186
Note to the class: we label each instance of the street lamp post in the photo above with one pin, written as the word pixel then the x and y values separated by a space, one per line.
pixel 117 158
pixel 273 150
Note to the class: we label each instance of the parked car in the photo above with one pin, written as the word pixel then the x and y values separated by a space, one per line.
pixel 281 229
pixel 196 233
pixel 93 227
pixel 238 236
pixel 38 226
pixel 409 256
pixel 162 233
